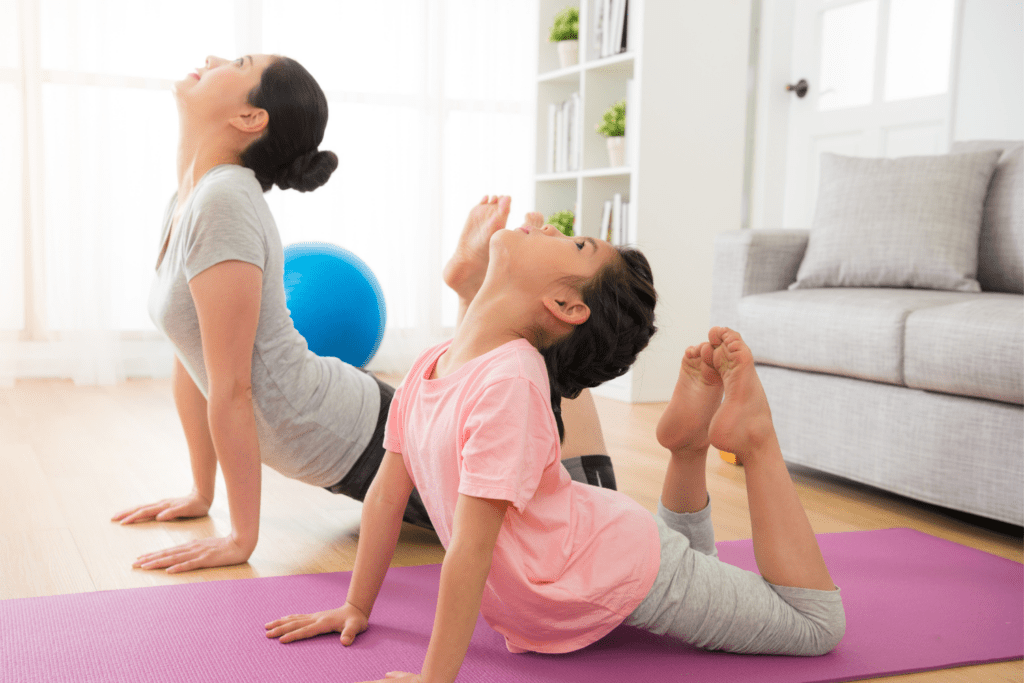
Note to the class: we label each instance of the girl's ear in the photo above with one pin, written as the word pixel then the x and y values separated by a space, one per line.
pixel 252 121
pixel 570 310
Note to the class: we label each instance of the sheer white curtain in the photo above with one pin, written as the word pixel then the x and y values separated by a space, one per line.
pixel 430 108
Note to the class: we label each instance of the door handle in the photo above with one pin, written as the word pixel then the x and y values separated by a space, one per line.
pixel 800 88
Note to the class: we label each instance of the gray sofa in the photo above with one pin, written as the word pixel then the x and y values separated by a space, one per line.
pixel 912 390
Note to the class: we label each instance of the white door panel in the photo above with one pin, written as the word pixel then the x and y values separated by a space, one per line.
pixel 879 75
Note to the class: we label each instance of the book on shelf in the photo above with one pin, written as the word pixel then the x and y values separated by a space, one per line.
pixel 564 136
pixel 606 222
pixel 615 224
pixel 611 20
pixel 616 230
pixel 628 229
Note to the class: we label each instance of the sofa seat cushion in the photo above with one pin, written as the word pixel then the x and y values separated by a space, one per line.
pixel 974 348
pixel 841 331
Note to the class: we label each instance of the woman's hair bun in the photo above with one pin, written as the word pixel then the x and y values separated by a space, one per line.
pixel 307 172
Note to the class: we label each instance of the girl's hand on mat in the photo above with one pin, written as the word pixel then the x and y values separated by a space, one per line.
pixel 400 676
pixel 192 505
pixel 206 552
pixel 348 620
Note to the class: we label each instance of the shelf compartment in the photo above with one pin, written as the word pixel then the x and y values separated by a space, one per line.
pixel 570 74
pixel 558 194
pixel 620 63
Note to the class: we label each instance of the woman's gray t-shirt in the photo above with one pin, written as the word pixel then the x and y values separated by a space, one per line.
pixel 314 415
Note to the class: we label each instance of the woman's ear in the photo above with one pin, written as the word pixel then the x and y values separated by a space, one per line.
pixel 252 121
pixel 570 310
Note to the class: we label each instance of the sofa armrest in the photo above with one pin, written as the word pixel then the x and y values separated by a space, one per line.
pixel 752 262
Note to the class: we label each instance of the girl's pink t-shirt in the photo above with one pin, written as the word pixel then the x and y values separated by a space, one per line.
pixel 572 561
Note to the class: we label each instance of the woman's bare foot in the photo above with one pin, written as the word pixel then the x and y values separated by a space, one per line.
pixel 465 270
pixel 696 397
pixel 743 423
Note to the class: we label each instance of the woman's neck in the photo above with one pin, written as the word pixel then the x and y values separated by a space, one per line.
pixel 198 152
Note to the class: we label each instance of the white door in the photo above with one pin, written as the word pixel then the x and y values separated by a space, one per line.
pixel 879 85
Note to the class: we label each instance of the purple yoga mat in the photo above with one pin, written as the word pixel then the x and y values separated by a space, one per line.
pixel 913 602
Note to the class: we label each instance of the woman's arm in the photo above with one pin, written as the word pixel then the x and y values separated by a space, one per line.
pixel 378 537
pixel 227 300
pixel 191 405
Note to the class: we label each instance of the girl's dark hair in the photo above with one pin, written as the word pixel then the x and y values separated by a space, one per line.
pixel 286 154
pixel 621 299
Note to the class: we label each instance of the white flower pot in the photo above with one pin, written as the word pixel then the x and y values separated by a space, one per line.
pixel 617 151
pixel 568 53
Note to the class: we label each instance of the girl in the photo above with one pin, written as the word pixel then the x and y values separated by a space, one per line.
pixel 551 565
pixel 246 387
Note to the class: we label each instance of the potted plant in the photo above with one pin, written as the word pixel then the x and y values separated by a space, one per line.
pixel 563 220
pixel 613 127
pixel 566 32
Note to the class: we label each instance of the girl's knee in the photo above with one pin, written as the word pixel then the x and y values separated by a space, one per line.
pixel 833 630
pixel 823 618
pixel 828 626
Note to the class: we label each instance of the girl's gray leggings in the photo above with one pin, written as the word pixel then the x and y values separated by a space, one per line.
pixel 716 606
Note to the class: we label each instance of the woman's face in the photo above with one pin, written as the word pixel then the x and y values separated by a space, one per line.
pixel 220 89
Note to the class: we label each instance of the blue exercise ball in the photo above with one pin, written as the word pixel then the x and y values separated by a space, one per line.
pixel 335 301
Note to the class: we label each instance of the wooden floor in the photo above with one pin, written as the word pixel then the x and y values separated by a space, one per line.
pixel 72 456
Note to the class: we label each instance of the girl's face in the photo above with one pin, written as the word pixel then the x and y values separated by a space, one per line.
pixel 220 89
pixel 544 255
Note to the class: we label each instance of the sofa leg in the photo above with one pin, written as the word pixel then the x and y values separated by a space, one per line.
pixel 729 458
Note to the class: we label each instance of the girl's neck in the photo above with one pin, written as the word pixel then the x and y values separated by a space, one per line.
pixel 490 322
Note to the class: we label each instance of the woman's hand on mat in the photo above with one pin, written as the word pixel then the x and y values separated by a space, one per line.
pixel 192 505
pixel 206 552
pixel 348 620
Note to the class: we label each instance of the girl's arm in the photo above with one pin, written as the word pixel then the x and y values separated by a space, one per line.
pixel 191 405
pixel 227 300
pixel 378 537
pixel 467 562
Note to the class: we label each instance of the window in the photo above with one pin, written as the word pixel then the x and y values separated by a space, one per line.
pixel 429 110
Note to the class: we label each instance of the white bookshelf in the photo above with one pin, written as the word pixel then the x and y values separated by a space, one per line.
pixel 672 48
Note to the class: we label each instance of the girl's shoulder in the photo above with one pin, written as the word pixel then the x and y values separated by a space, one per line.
pixel 527 360
pixel 516 360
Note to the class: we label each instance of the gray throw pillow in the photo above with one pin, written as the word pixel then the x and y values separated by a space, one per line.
pixel 909 222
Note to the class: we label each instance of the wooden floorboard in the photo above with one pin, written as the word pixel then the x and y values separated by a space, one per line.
pixel 70 457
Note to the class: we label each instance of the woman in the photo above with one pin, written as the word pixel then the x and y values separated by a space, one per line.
pixel 246 387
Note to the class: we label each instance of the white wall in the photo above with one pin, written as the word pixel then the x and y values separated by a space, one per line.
pixel 990 75
pixel 693 178
pixel 768 186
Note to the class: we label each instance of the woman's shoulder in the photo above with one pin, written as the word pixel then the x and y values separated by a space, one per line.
pixel 228 184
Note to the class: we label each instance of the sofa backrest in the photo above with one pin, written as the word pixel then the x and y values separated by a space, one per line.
pixel 1001 243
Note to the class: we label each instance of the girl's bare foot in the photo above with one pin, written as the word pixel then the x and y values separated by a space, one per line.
pixel 465 270
pixel 696 397
pixel 743 423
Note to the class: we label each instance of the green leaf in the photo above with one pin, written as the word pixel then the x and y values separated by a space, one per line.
pixel 613 123
pixel 562 220
pixel 566 26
